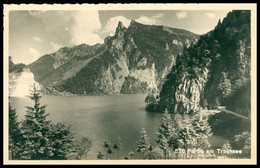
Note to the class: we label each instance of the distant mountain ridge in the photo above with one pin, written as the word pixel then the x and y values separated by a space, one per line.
pixel 134 60
pixel 50 66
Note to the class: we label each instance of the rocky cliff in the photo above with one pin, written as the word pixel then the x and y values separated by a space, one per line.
pixel 212 71
pixel 134 60
pixel 21 80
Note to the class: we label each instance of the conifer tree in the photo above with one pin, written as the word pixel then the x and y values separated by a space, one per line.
pixel 35 129
pixel 226 146
pixel 117 146
pixel 109 152
pixel 40 139
pixel 247 148
pixel 100 156
pixel 131 154
pixel 166 134
pixel 186 135
pixel 242 142
pixel 62 142
pixel 107 146
pixel 14 134
pixel 83 147
pixel 86 144
pixel 202 130
pixel 144 142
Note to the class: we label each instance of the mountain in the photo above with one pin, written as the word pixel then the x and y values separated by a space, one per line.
pixel 15 68
pixel 21 80
pixel 52 68
pixel 214 71
pixel 134 60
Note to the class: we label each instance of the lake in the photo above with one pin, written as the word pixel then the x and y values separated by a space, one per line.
pixel 97 117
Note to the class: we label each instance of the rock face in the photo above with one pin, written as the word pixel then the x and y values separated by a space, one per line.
pixel 21 80
pixel 212 71
pixel 134 60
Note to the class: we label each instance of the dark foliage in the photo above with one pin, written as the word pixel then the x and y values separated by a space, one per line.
pixel 216 66
pixel 15 68
pixel 14 134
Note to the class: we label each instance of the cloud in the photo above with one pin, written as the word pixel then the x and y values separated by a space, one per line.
pixel 37 39
pixel 55 46
pixel 181 15
pixel 146 20
pixel 158 16
pixel 210 15
pixel 85 28
pixel 150 20
pixel 112 23
pixel 33 55
pixel 36 13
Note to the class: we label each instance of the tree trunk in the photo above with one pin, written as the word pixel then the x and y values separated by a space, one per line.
pixel 11 154
pixel 186 151
pixel 164 154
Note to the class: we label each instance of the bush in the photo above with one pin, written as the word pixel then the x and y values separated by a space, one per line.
pixel 150 107
pixel 150 99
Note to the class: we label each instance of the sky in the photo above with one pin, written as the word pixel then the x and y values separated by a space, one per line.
pixel 34 33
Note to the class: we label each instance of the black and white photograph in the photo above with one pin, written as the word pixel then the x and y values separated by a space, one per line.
pixel 129 84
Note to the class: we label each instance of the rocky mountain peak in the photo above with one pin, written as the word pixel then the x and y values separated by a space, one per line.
pixel 120 25
pixel 133 22
pixel 120 28
pixel 134 60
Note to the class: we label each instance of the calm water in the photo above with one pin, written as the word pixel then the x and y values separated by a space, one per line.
pixel 97 117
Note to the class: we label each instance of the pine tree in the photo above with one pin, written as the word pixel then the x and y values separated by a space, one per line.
pixel 195 132
pixel 86 145
pixel 131 154
pixel 117 146
pixel 100 156
pixel 35 129
pixel 107 146
pixel 242 142
pixel 166 134
pixel 109 152
pixel 144 142
pixel 202 130
pixel 62 142
pixel 83 147
pixel 224 87
pixel 186 135
pixel 14 134
pixel 226 146
pixel 150 151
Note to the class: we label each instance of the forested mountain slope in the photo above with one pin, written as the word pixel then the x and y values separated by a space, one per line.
pixel 214 71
